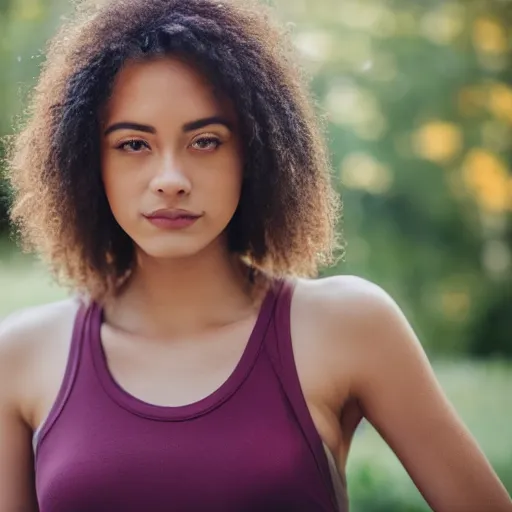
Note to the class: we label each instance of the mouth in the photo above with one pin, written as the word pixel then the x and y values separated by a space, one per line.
pixel 172 214
pixel 172 218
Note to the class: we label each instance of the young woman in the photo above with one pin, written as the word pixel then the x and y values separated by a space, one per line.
pixel 173 174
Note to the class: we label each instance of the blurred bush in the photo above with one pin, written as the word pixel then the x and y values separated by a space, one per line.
pixel 25 25
pixel 372 489
pixel 419 104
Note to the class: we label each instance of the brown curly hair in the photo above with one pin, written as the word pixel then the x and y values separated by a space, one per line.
pixel 285 223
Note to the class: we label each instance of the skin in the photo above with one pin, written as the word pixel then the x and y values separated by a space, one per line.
pixel 188 304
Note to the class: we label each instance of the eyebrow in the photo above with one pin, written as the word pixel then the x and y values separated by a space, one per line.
pixel 187 127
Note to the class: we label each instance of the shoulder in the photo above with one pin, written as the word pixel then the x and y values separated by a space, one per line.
pixel 356 323
pixel 29 327
pixel 346 301
pixel 29 340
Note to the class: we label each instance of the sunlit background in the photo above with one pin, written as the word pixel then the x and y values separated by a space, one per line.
pixel 418 99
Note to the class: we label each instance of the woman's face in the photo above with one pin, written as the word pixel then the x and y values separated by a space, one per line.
pixel 171 158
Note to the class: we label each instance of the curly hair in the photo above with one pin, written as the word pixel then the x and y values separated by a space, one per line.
pixel 285 223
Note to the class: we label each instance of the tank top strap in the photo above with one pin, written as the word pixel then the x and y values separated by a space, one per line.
pixel 74 360
pixel 280 350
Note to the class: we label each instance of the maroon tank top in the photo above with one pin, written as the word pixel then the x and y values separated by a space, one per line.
pixel 249 446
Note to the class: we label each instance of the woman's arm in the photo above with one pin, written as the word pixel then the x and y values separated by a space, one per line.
pixel 17 490
pixel 401 397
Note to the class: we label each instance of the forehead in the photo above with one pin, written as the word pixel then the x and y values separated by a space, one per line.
pixel 166 86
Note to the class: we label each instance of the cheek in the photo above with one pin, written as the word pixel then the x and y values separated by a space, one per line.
pixel 224 190
pixel 120 191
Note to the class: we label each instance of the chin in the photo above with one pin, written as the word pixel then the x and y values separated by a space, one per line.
pixel 176 248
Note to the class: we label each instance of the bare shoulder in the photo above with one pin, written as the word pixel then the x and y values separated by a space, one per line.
pixel 33 343
pixel 334 322
pixel 344 297
pixel 356 323
pixel 29 328
pixel 348 307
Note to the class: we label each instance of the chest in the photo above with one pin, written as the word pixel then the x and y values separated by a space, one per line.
pixel 184 373
pixel 177 373
pixel 211 458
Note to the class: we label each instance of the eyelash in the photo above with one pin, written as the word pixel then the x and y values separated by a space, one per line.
pixel 217 142
pixel 207 140
pixel 123 145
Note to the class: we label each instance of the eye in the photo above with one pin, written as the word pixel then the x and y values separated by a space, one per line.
pixel 133 146
pixel 206 143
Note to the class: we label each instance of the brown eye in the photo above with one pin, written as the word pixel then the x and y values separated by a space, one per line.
pixel 206 143
pixel 133 146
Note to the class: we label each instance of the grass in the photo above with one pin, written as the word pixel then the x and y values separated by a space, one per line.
pixel 481 393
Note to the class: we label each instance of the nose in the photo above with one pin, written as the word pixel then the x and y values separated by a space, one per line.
pixel 170 179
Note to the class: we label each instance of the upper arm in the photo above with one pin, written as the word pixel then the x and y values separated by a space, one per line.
pixel 17 489
pixel 400 395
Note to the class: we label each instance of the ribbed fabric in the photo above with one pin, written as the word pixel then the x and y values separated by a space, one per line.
pixel 249 446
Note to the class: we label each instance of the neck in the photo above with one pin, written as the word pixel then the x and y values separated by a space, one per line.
pixel 179 295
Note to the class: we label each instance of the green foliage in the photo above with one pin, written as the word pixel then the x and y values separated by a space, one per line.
pixel 420 131
pixel 373 490
pixel 25 26
pixel 5 6
pixel 493 330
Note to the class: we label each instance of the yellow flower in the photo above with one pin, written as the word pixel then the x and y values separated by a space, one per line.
pixel 500 101
pixel 489 36
pixel 487 178
pixel 438 141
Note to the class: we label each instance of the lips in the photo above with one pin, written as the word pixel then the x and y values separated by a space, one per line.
pixel 172 219
pixel 173 214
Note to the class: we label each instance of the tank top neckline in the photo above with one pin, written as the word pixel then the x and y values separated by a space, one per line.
pixel 197 408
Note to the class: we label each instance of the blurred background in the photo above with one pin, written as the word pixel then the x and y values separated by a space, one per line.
pixel 418 98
